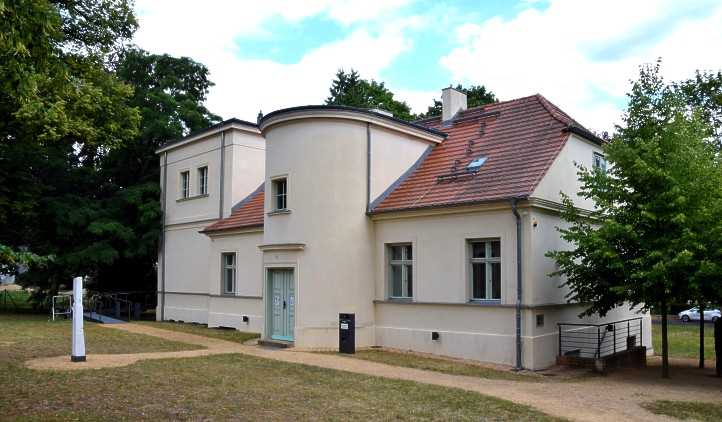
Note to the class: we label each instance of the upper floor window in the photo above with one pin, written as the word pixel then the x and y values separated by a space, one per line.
pixel 280 194
pixel 185 184
pixel 203 180
pixel 228 271
pixel 485 262
pixel 599 162
pixel 401 268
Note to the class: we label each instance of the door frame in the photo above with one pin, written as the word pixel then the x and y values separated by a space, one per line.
pixel 268 301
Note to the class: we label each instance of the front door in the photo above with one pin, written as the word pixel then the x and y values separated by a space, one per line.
pixel 283 304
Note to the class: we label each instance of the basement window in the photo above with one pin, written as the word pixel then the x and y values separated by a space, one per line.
pixel 476 164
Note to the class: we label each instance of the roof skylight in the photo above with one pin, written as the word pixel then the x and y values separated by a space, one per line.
pixel 476 164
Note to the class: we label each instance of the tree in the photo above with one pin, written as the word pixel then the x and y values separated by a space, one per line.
pixel 476 95
pixel 61 111
pixel 704 92
pixel 349 89
pixel 169 93
pixel 651 239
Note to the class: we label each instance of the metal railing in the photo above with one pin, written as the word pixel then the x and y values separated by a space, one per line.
pixel 114 305
pixel 595 341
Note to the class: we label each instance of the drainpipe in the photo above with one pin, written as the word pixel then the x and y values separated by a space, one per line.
pixel 164 190
pixel 223 170
pixel 515 211
pixel 368 167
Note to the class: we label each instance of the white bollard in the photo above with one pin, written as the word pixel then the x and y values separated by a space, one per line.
pixel 78 353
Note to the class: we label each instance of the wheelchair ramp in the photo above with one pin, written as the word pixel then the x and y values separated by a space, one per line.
pixel 103 319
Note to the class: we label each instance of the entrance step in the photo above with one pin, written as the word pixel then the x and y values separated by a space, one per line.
pixel 278 344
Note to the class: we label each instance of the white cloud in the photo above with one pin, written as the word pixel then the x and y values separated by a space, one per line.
pixel 573 52
pixel 243 86
pixel 580 54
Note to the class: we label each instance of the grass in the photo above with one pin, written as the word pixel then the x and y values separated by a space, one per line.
pixel 684 340
pixel 203 330
pixel 27 336
pixel 221 387
pixel 684 410
pixel 437 364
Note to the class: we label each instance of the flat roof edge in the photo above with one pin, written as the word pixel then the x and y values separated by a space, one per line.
pixel 335 111
pixel 210 130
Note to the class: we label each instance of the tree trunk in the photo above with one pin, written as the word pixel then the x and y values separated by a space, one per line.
pixel 701 336
pixel 665 349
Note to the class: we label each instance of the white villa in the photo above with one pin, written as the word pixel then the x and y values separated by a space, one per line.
pixel 432 233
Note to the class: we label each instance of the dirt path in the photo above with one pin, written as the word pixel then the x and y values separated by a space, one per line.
pixel 612 398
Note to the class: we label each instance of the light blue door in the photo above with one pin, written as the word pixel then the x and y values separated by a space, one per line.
pixel 283 304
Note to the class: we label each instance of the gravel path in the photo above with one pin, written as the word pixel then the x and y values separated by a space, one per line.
pixel 616 397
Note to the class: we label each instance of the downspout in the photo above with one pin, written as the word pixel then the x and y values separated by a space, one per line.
pixel 162 235
pixel 223 171
pixel 368 167
pixel 514 210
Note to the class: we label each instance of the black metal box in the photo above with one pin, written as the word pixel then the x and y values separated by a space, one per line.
pixel 347 333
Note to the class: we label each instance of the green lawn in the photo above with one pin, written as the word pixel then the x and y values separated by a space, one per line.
pixel 684 410
pixel 216 387
pixel 447 366
pixel 684 340
pixel 27 336
pixel 203 330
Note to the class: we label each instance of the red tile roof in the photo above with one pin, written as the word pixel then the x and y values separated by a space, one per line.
pixel 520 138
pixel 247 213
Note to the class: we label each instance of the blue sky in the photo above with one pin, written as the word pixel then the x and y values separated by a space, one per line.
pixel 580 54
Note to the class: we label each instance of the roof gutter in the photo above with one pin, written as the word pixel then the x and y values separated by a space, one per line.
pixel 164 189
pixel 517 216
pixel 586 134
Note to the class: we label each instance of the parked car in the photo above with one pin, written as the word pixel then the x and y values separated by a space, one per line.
pixel 693 315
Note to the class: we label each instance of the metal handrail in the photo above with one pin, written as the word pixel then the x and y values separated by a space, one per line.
pixel 599 340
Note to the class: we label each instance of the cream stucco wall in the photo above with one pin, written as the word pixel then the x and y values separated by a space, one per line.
pixel 441 301
pixel 562 174
pixel 392 154
pixel 339 254
pixel 246 154
pixel 440 244
pixel 324 161
pixel 190 274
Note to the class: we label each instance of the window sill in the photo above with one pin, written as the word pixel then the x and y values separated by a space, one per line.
pixel 224 294
pixel 485 301
pixel 279 212
pixel 401 299
pixel 190 198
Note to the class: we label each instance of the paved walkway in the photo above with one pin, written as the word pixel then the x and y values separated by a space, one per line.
pixel 611 398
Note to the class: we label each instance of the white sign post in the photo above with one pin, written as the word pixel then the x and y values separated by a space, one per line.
pixel 78 353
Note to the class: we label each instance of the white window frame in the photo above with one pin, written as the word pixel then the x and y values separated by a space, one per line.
pixel 406 264
pixel 184 185
pixel 599 161
pixel 487 261
pixel 202 172
pixel 275 195
pixel 225 267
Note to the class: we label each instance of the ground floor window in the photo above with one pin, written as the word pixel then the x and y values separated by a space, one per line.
pixel 228 263
pixel 401 271
pixel 485 269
